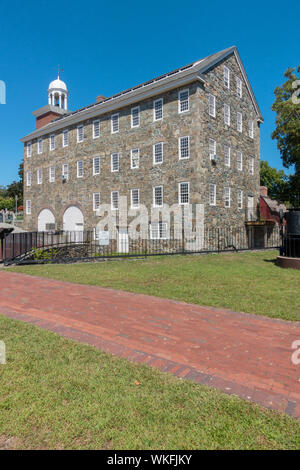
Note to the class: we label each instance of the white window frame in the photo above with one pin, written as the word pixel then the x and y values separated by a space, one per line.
pixel 28 178
pixel 180 149
pixel 40 146
pixel 28 206
pixel 239 160
pixel 39 176
pixel 134 206
pixel 96 130
pixel 227 156
pixel 212 144
pixel 95 170
pixel 162 196
pixel 251 129
pixel 51 174
pixel 239 87
pixel 226 77
pixel 212 194
pixel 227 197
pixel 227 114
pixel 159 228
pixel 183 102
pixel 112 161
pixel 65 138
pixel 65 174
pixel 115 116
pixel 80 133
pixel 154 153
pixel 240 199
pixel 239 121
pixel 96 204
pixel 180 193
pixel 52 142
pixel 112 200
pixel 134 110
pixel 132 151
pixel 80 169
pixel 29 149
pixel 251 165
pixel 212 105
pixel 161 109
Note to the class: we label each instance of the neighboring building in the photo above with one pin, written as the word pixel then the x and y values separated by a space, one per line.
pixel 191 135
pixel 270 208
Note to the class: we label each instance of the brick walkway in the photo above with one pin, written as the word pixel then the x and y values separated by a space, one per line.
pixel 241 354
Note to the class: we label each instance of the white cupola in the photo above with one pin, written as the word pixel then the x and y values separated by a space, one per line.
pixel 58 94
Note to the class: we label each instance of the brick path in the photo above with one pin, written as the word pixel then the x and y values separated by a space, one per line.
pixel 238 353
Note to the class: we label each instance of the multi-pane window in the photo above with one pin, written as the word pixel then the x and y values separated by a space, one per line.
pixel 227 197
pixel 239 160
pixel 239 121
pixel 158 109
pixel 28 207
pixel 51 174
pixel 96 129
pixel 115 199
pixel 184 193
pixel 114 162
pixel 80 169
pixel 115 123
pixel 65 137
pixel 184 147
pixel 80 133
pixel 251 129
pixel 251 165
pixel 158 230
pixel 212 105
pixel 65 171
pixel 240 199
pixel 39 176
pixel 40 146
pixel 157 196
pixel 212 194
pixel 158 153
pixel 135 198
pixel 96 165
pixel 226 77
pixel 212 149
pixel 227 155
pixel 96 201
pixel 227 114
pixel 28 149
pixel 28 178
pixel 135 116
pixel 134 158
pixel 239 87
pixel 183 101
pixel 52 142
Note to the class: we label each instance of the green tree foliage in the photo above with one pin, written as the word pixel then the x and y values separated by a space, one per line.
pixel 7 203
pixel 16 187
pixel 275 180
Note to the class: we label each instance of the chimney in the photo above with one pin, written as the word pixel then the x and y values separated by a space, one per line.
pixel 100 98
pixel 264 191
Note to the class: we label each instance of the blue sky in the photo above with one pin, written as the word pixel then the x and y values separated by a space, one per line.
pixel 105 47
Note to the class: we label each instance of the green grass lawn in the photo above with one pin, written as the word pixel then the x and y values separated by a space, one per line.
pixel 246 282
pixel 56 393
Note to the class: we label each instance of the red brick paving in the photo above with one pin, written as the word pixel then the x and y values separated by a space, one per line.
pixel 238 353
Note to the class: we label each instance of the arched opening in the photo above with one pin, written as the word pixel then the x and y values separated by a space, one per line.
pixel 46 221
pixel 73 221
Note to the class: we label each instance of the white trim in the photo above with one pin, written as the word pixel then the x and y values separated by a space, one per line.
pixel 131 158
pixel 116 115
pixel 212 105
pixel 239 121
pixel 80 127
pixel 212 144
pixel 29 149
pixel 65 133
pixel 226 114
pixel 226 73
pixel 240 199
pixel 239 160
pixel 186 100
pixel 112 155
pixel 135 108
pixel 28 178
pixel 39 176
pixel 251 129
pixel 228 156
pixel 65 174
pixel 188 147
pixel 52 144
pixel 94 171
pixel 251 164
pixel 162 196
pixel 28 206
pixel 162 109
pixel 51 174
pixel 214 187
pixel 159 229
pixel 111 200
pixel 96 122
pixel 227 197
pixel 162 153
pixel 79 169
pixel 239 87
pixel 179 193
pixel 96 206
pixel 40 146
pixel 131 198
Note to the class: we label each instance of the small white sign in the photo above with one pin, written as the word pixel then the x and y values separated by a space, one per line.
pixel 103 238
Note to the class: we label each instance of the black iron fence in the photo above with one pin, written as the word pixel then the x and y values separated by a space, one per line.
pixel 47 247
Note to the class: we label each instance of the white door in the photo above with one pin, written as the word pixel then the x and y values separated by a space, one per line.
pixel 123 245
pixel 46 221
pixel 250 208
pixel 73 222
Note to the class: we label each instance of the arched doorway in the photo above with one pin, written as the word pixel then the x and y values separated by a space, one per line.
pixel 73 222
pixel 46 221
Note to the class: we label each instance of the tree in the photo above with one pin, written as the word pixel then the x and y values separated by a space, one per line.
pixel 275 180
pixel 7 203
pixel 287 132
pixel 16 187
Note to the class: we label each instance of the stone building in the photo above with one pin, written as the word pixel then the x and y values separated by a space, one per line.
pixel 189 136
